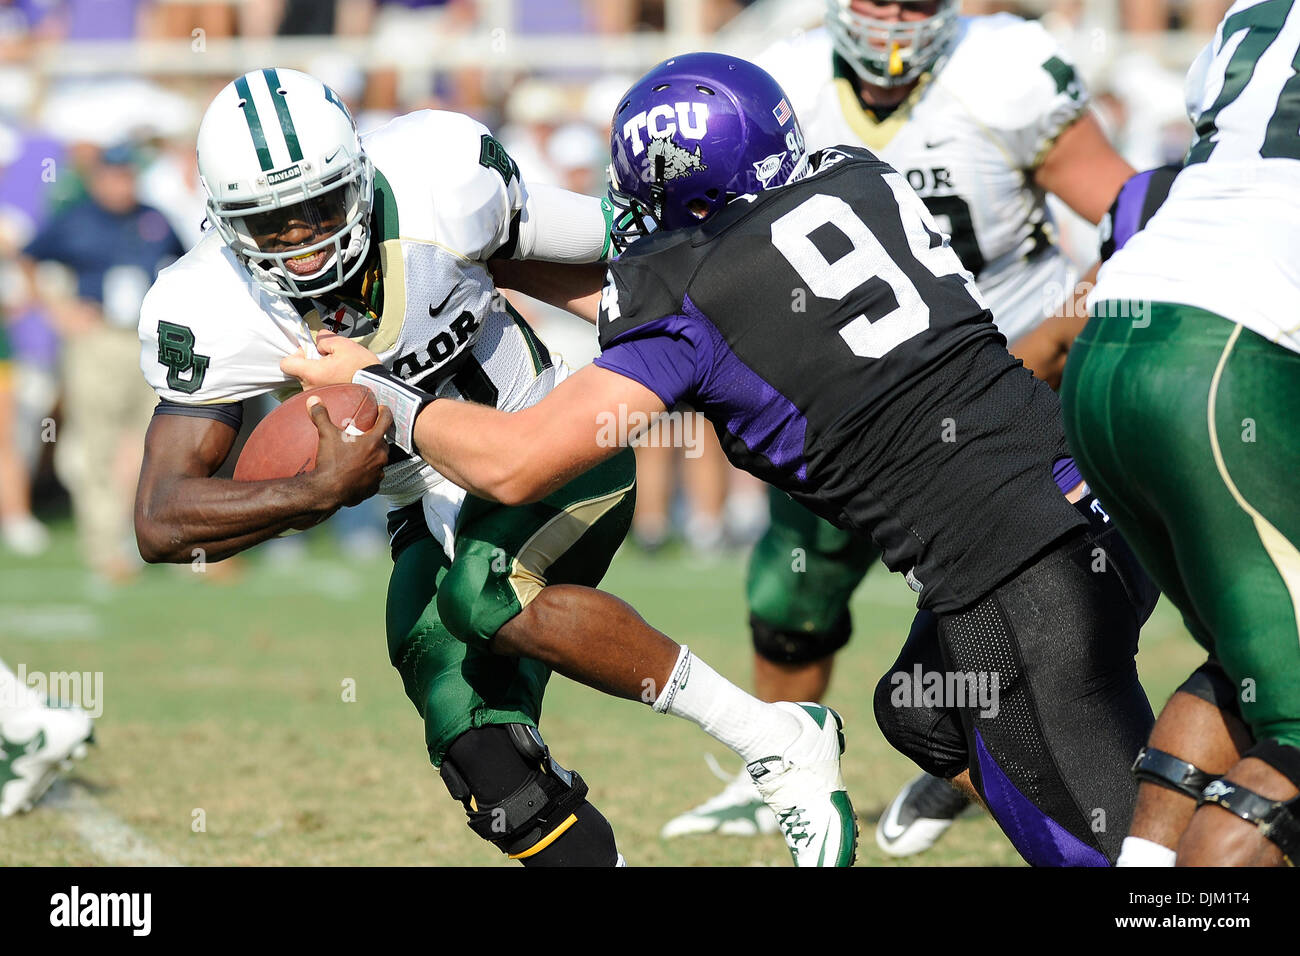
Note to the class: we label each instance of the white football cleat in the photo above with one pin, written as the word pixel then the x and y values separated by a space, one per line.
pixel 805 790
pixel 35 745
pixel 738 810
pixel 919 815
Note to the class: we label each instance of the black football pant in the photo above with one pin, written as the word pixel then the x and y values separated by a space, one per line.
pixel 1035 690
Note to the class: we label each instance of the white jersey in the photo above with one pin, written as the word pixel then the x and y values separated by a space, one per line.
pixel 967 140
pixel 1226 239
pixel 445 199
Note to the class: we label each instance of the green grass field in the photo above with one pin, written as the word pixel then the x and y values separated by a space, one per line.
pixel 227 697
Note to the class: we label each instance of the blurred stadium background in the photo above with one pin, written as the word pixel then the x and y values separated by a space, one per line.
pixel 225 690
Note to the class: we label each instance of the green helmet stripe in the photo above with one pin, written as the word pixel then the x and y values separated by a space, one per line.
pixel 254 123
pixel 282 111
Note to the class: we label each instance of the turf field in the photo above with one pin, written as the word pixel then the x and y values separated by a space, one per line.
pixel 226 737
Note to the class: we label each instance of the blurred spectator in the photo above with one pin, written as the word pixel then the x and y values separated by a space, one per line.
pixel 89 19
pixel 170 183
pixel 578 154
pixel 19 530
pixel 114 246
pixel 1157 16
pixel 178 19
pixel 30 387
pixel 720 507
pixel 407 30
pixel 534 109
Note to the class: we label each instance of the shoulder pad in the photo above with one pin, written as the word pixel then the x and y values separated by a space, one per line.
pixel 636 292
pixel 825 159
pixel 1011 73
pixel 454 182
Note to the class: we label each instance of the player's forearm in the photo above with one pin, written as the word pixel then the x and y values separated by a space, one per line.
pixel 183 518
pixel 1083 170
pixel 1043 352
pixel 500 456
pixel 574 288
pixel 1045 349
pixel 475 446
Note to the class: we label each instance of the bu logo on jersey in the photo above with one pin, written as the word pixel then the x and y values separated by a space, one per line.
pixel 687 120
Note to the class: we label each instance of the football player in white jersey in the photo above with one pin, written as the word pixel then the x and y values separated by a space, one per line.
pixel 386 240
pixel 983 116
pixel 1180 401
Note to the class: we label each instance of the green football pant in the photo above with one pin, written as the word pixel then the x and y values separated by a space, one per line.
pixel 1185 426
pixel 441 614
pixel 802 573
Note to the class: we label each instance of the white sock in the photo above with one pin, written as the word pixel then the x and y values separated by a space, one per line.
pixel 1135 851
pixel 701 695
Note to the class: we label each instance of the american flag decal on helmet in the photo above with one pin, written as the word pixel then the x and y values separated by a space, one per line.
pixel 781 112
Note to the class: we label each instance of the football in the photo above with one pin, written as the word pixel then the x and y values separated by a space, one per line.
pixel 284 442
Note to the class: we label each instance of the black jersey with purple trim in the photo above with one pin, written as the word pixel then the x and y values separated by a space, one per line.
pixel 1139 199
pixel 834 340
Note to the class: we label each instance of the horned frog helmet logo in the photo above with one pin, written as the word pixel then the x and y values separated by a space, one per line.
pixel 678 162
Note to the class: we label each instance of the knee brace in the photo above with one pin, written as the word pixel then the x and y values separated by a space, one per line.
pixel 515 794
pixel 798 647
pixel 1170 772
pixel 1278 820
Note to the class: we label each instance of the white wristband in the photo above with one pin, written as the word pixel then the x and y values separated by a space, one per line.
pixel 404 401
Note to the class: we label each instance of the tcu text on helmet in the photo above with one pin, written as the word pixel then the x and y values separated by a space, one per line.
pixel 692 122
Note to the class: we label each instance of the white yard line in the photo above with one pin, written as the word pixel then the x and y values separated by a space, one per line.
pixel 103 832
pixel 49 622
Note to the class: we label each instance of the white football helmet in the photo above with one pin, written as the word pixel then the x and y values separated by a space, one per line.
pixel 885 53
pixel 289 187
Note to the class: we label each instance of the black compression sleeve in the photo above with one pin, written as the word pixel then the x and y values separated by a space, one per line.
pixel 229 413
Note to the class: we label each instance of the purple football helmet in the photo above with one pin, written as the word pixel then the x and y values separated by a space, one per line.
pixel 692 134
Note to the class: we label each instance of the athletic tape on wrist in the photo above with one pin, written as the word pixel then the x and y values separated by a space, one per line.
pixel 404 401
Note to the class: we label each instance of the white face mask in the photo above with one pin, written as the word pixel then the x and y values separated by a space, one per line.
pixel 339 215
pixel 890 53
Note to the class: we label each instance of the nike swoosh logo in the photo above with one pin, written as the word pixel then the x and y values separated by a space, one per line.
pixel 889 827
pixel 435 309
pixel 330 157
pixel 942 142
pixel 394 535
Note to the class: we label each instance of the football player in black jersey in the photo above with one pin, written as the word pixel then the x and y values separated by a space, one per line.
pixel 809 306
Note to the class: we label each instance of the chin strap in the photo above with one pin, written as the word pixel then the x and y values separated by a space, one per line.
pixel 356 242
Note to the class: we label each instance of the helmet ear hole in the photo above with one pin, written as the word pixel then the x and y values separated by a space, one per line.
pixel 711 195
pixel 698 208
